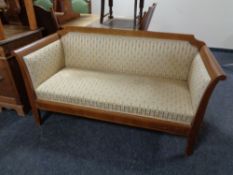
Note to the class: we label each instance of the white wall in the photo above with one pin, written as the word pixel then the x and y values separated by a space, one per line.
pixel 209 20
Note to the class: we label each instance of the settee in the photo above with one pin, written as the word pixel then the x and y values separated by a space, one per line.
pixel 157 81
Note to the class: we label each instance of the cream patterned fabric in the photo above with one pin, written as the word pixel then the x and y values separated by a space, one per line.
pixel 45 62
pixel 130 55
pixel 198 81
pixel 153 97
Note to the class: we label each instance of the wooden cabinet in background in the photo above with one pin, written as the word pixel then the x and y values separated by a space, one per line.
pixel 18 27
pixel 12 90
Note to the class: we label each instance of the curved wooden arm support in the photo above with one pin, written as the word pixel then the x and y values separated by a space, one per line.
pixel 216 74
pixel 23 68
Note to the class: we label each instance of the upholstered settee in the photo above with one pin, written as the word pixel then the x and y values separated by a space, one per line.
pixel 156 81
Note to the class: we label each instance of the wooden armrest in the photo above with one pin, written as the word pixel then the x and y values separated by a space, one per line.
pixel 21 52
pixel 146 19
pixel 211 64
pixel 50 24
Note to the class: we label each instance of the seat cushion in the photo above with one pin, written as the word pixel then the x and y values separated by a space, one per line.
pixel 152 97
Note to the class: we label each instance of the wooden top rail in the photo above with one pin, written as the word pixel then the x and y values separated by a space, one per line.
pixel 146 34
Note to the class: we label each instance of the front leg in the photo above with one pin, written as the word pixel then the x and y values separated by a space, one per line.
pixel 37 116
pixel 191 142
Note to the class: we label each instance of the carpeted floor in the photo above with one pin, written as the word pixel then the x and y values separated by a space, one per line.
pixel 70 145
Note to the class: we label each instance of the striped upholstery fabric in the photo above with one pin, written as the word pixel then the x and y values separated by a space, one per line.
pixel 198 80
pixel 159 98
pixel 130 55
pixel 45 62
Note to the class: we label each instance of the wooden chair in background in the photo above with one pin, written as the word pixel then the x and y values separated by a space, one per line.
pixel 18 27
pixel 10 11
pixel 63 11
pixel 140 21
pixel 60 12
pixel 82 6
pixel 147 16
pixel 110 13
pixel 51 24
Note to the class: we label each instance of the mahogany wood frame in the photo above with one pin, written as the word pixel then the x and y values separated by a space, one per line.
pixel 189 131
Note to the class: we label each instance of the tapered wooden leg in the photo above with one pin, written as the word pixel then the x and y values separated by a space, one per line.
pixel 110 3
pixel 37 117
pixel 20 111
pixel 135 14
pixel 190 144
pixel 141 6
pixel 102 11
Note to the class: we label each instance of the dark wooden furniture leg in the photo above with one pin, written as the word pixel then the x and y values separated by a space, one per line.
pixel 146 19
pixel 102 11
pixel 36 115
pixel 141 6
pixel 190 144
pixel 110 3
pixel 135 14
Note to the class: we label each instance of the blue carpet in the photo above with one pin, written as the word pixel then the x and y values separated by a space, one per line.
pixel 71 145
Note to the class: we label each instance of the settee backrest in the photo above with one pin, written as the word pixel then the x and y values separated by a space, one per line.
pixel 127 54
